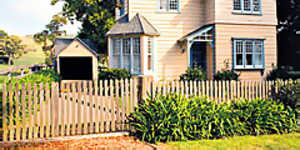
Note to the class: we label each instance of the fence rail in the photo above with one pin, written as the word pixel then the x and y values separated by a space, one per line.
pixel 215 90
pixel 34 111
pixel 77 108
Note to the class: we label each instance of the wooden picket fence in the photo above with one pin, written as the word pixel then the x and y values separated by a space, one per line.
pixel 77 108
pixel 216 90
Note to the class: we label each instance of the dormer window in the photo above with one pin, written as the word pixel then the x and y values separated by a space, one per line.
pixel 247 6
pixel 169 5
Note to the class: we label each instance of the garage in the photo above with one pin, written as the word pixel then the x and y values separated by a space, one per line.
pixel 76 68
pixel 76 59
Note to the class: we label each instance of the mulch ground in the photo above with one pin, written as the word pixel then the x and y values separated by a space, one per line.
pixel 108 143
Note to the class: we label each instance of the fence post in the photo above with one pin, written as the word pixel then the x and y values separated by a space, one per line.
pixel 143 85
pixel 4 115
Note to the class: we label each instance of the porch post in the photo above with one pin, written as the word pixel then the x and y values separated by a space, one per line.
pixel 189 44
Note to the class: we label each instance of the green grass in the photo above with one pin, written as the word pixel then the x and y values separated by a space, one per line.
pixel 35 56
pixel 266 142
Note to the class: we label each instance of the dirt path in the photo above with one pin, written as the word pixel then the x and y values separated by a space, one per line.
pixel 107 143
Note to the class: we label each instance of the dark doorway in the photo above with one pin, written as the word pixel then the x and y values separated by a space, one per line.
pixel 76 68
pixel 198 55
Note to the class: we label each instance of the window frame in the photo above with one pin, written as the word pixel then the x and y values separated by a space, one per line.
pixel 244 66
pixel 168 7
pixel 122 10
pixel 121 54
pixel 149 52
pixel 247 12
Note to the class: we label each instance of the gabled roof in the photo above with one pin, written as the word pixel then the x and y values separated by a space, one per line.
pixel 137 25
pixel 197 32
pixel 62 43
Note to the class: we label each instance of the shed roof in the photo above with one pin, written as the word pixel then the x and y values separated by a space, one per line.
pixel 62 43
pixel 137 25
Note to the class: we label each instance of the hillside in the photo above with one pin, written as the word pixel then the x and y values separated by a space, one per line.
pixel 36 56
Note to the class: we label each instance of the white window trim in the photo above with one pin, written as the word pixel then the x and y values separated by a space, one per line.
pixel 244 66
pixel 168 10
pixel 146 71
pixel 251 12
pixel 121 54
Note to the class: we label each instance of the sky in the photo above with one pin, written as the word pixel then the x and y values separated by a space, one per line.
pixel 27 17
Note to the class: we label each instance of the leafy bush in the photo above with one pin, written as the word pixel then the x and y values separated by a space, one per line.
pixel 42 76
pixel 174 118
pixel 195 73
pixel 114 73
pixel 289 95
pixel 227 75
pixel 283 74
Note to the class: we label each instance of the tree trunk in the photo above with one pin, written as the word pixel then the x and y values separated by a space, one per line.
pixel 9 61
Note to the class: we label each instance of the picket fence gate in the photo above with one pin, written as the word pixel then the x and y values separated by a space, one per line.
pixel 78 108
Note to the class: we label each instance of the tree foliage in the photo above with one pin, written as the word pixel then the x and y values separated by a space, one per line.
pixel 288 13
pixel 11 46
pixel 48 36
pixel 97 18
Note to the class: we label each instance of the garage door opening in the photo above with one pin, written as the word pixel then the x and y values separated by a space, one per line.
pixel 76 68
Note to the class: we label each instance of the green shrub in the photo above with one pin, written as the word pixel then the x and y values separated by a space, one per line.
pixel 195 73
pixel 288 94
pixel 227 75
pixel 42 76
pixel 114 73
pixel 283 74
pixel 174 118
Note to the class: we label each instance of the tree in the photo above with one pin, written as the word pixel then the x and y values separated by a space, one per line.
pixel 48 36
pixel 97 18
pixel 288 13
pixel 11 46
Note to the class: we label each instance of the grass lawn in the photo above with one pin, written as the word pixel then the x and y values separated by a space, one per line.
pixel 33 57
pixel 266 142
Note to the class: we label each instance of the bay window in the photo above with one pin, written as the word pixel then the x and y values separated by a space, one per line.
pixel 126 54
pixel 247 6
pixel 248 53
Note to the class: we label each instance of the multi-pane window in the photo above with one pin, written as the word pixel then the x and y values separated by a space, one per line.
pixel 247 6
pixel 126 54
pixel 116 53
pixel 248 54
pixel 169 5
pixel 150 54
pixel 136 55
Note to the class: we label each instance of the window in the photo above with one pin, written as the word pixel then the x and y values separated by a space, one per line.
pixel 150 54
pixel 248 54
pixel 122 10
pixel 116 53
pixel 126 54
pixel 136 55
pixel 169 5
pixel 247 6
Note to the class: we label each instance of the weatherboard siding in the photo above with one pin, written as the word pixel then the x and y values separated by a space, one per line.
pixel 224 13
pixel 170 60
pixel 224 49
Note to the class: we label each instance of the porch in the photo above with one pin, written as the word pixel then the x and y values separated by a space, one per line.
pixel 200 47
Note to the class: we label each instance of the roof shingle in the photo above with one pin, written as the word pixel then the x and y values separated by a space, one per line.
pixel 137 25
